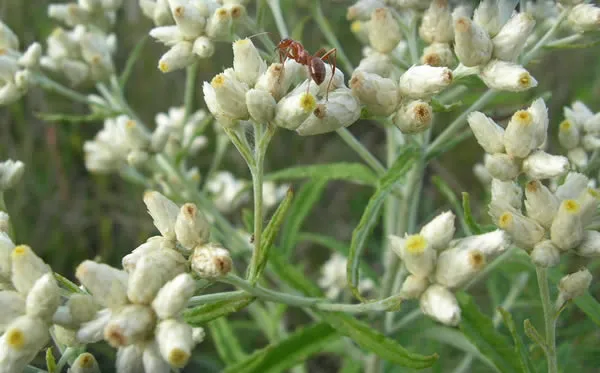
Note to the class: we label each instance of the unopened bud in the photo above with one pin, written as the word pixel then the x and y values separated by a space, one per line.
pixel 384 31
pixel 541 165
pixel 502 166
pixel 473 46
pixel 413 116
pixel 507 76
pixel 413 287
pixel 191 227
pixel 488 134
pixel 545 254
pixel 566 231
pixel 573 285
pixel 440 304
pixel 211 261
pixel 424 81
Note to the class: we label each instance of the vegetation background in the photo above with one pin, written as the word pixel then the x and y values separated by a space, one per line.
pixel 68 215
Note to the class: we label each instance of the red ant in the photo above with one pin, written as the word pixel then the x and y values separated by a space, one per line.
pixel 289 48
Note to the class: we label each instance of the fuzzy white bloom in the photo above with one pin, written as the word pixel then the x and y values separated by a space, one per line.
pixel 362 9
pixel 437 25
pixel 520 134
pixel 545 254
pixel 341 110
pixel 191 227
pixel 230 94
pixel 151 272
pixel 43 298
pixel 507 192
pixel 584 17
pixel 413 116
pixel 525 232
pixel 488 134
pixel 458 265
pixel 13 306
pixel 177 57
pixel 211 261
pixel 507 76
pixel 590 245
pixel 473 46
pixel 440 304
pixel 481 173
pixel 489 244
pixel 175 342
pixel 376 63
pixel 164 213
pixel 21 342
pixel 85 363
pixel 492 15
pixel 413 287
pixel 294 109
pixel 541 203
pixel 247 62
pixel 384 31
pixel 218 25
pixel 539 114
pixel 107 284
pixel 27 268
pixel 512 37
pixel 378 94
pixel 11 173
pixel 417 254
pixel 541 165
pixel 588 201
pixel 566 231
pixel 130 260
pixel 502 166
pixel 172 297
pixel 424 81
pixel 574 184
pixel 438 54
pixel 440 230
pixel 157 10
pixel 261 105
pixel 568 134
pixel 572 286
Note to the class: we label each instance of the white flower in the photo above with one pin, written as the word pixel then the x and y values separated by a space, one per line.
pixel 362 9
pixel 574 184
pixel 438 54
pixel 191 227
pixel 590 245
pixel 440 304
pixel 541 165
pixel 566 231
pixel 413 286
pixel 507 192
pixel 384 31
pixel 211 261
pixel 541 203
pixel 218 26
pixel 171 298
pixel 424 81
pixel 416 253
pixel 492 15
pixel 473 46
pixel 457 265
pixel 341 110
pixel 510 40
pixel 440 230
pixel 294 109
pixel 523 230
pixel 519 135
pixel 572 286
pixel 584 17
pixel 247 62
pixel 488 134
pixel 413 116
pixel 179 56
pixel 502 166
pixel 489 244
pixel 568 134
pixel 545 254
pixel 376 63
pixel 378 94
pixel 333 277
pixel 11 173
pixel 85 363
pixel 437 25
pixel 507 76
pixel 164 213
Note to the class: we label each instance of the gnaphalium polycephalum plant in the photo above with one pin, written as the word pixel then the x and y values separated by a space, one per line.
pixel 415 57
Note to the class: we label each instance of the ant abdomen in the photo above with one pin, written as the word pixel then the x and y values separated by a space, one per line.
pixel 317 70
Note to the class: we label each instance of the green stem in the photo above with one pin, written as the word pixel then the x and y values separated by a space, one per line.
pixel 330 35
pixel 216 297
pixel 279 20
pixel 221 149
pixel 361 150
pixel 190 90
pixel 54 86
pixel 549 319
pixel 544 39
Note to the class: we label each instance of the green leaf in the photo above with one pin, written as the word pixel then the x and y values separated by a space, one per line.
pixel 226 343
pixel 268 237
pixel 448 193
pixel 299 28
pixel 200 315
pixel 520 349
pixel 352 172
pixel 439 107
pixel 308 195
pixel 67 284
pixel 248 219
pixel 479 329
pixel 372 340
pixel 131 60
pixel 371 214
pixel 292 276
pixel 50 361
pixel 60 117
pixel 533 334
pixel 466 204
pixel 297 347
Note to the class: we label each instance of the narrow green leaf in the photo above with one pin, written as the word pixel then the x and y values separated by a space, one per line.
pixel 293 276
pixel 69 118
pixel 371 214
pixel 269 235
pixel 226 343
pixel 466 204
pixel 439 107
pixel 50 361
pixel 352 172
pixel 131 60
pixel 67 284
pixel 533 334
pixel 297 347
pixel 372 340
pixel 520 349
pixel 200 315
pixel 448 193
pixel 308 195
pixel 479 329
pixel 575 45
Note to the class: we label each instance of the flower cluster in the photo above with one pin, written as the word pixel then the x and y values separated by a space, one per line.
pixel 333 277
pixel 197 26
pixel 579 134
pixel 438 265
pixel 15 67
pixel 98 13
pixel 251 90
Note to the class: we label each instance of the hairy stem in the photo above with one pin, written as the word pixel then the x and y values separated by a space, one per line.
pixel 190 90
pixel 544 39
pixel 549 319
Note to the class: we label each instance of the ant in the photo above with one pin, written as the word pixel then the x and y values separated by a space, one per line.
pixel 289 48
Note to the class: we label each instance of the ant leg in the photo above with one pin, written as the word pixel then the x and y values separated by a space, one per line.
pixel 332 54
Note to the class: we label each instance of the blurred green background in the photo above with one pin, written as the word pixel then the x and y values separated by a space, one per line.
pixel 68 215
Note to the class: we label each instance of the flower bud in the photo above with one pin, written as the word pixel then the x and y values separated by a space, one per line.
pixel 592 124
pixel 27 268
pixel 13 306
pixel 488 15
pixel 507 192
pixel 191 227
pixel 413 287
pixel 568 134
pixel 9 93
pixel 130 260
pixel 173 296
pixel 31 58
pixel 179 56
pixel 341 110
pixel 152 359
pixel 510 41
pixel 502 166
pixel 438 54
pixel 168 35
pixel 507 76
pixel 539 113
pixel 203 47
pixel 175 341
pixel 424 81
pixel 152 272
pixel 294 109
pixel 572 286
pixel 489 244
pixel 247 63
pixel 588 201
pixel 82 308
pixel 378 94
pixel 11 173
pixel 541 165
pixel 418 255
pixel 21 342
pixel 524 231
pixel 574 184
pixel 188 18
pixel 275 79
pixel 360 29
pixel 129 359
pixel 541 203
pixel 231 94
pixel 473 46
pixel 545 254
pixel 85 363
pixel 437 25
pixel 211 261
pixel 439 231
pixel 578 157
pixel 584 17
pixel 43 298
pixel 8 39
pixel 440 304
pixel 218 26
pixel 93 330
pixel 590 245
pixel 131 324
pixel 362 9
pixel 384 31
pixel 488 134
pixel 261 105
pixel 566 231
pixel 457 265
pixel 376 63
pixel 163 212
pixel 6 248
pixel 107 285
pixel 413 116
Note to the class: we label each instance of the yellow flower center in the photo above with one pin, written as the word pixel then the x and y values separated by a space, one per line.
pixel 525 80
pixel 20 250
pixel 15 338
pixel 356 26
pixel 307 102
pixel 476 259
pixel 571 206
pixel 218 81
pixel 416 244
pixel 178 358
pixel 505 220
pixel 523 117
pixel 565 125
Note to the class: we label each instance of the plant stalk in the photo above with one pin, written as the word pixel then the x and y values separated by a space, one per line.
pixel 549 319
